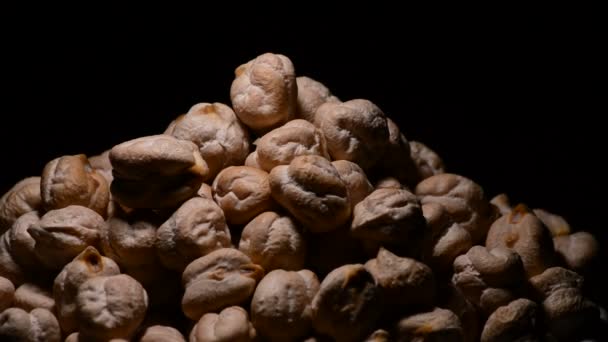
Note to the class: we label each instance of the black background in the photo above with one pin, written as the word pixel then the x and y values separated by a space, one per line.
pixel 514 107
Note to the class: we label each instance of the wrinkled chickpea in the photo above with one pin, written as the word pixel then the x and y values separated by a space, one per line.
pixel 239 212
pixel 274 242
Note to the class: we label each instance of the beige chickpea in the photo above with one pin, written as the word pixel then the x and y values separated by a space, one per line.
pixel 463 199
pixel 511 322
pixel 436 325
pixel 230 325
pixel 22 198
pixel 281 305
pixel 242 192
pixel 252 160
pixel 295 138
pixel 392 216
pixel 428 162
pixel 197 228
pixel 62 234
pixel 264 92
pixel 379 335
pixel 499 266
pixel 83 337
pixel 274 242
pixel 565 308
pixel 9 268
pixel 38 325
pixel 311 95
pixel 397 159
pixel 485 276
pixel 311 189
pixel 355 179
pixel 7 293
pixel 171 127
pixel 444 240
pixel 580 251
pixel 355 130
pixel 70 180
pixel 347 305
pixel 502 204
pixel 110 306
pixel 554 278
pixel 101 163
pixel 222 278
pixel 566 312
pixel 31 296
pixel 156 172
pixel 129 240
pixel 22 244
pixel 555 223
pixel 205 191
pixel 88 264
pixel 161 333
pixel 222 140
pixel 524 233
pixel 389 183
pixel 404 282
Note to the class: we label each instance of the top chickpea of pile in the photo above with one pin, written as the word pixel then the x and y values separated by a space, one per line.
pixel 290 215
